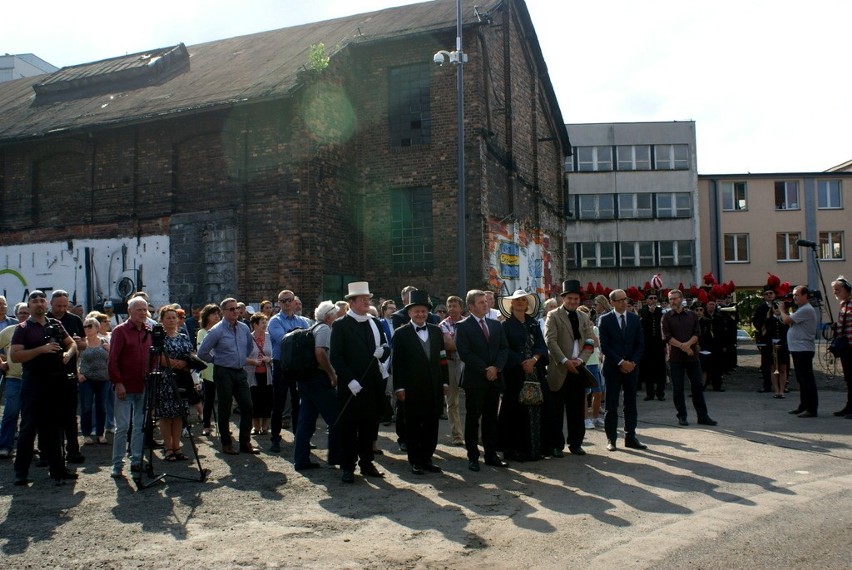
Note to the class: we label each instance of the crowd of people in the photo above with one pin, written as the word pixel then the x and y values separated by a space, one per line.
pixel 535 375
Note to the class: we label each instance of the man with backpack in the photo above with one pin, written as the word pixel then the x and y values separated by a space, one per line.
pixel 283 383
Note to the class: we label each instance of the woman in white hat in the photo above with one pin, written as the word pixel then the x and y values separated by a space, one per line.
pixel 520 427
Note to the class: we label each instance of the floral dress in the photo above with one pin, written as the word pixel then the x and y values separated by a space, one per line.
pixel 169 402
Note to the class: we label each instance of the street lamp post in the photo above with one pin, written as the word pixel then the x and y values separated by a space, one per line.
pixel 459 58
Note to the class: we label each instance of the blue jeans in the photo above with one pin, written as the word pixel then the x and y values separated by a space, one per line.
pixel 93 397
pixel 110 407
pixel 11 411
pixel 317 398
pixel 131 407
pixel 693 371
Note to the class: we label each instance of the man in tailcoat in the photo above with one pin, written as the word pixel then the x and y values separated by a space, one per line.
pixel 622 344
pixel 420 380
pixel 358 347
pixel 483 348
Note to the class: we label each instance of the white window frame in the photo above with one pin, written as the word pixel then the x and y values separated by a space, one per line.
pixel 675 253
pixel 674 210
pixel 736 239
pixel 789 187
pixel 829 241
pixel 608 214
pixel 597 254
pixel 730 191
pixel 633 157
pixel 637 254
pixel 671 157
pixel 630 208
pixel 786 248
pixel 824 194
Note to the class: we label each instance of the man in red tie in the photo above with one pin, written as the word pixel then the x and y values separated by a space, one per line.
pixel 483 348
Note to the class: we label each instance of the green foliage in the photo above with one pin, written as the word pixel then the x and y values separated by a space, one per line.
pixel 317 60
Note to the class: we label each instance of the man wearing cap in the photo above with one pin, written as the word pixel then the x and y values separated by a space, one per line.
pixel 114 319
pixel 652 372
pixel 622 344
pixel 420 381
pixel 483 348
pixel 762 337
pixel 280 324
pixel 358 348
pixel 566 332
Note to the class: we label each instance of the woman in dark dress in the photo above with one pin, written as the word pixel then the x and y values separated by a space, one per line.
pixel 520 427
pixel 170 407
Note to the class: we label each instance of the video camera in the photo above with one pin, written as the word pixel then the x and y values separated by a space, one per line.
pixel 53 333
pixel 158 337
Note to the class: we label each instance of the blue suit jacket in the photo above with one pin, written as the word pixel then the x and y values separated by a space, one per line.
pixel 617 345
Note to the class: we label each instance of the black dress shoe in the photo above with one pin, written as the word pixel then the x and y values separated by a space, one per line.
pixel 21 480
pixel 797 411
pixel 64 474
pixel 370 471
pixel 839 413
pixel 577 451
pixel 681 421
pixel 649 398
pixel 307 466
pixel 807 414
pixel 75 457
pixel 707 421
pixel 416 469
pixel 432 468
pixel 558 452
pixel 610 445
pixel 495 462
pixel 348 477
pixel 661 398
pixel 473 465
pixel 634 443
pixel 249 448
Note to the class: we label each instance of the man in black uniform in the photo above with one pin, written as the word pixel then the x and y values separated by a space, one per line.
pixel 764 342
pixel 652 370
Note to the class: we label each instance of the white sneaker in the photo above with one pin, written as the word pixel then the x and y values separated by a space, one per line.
pixel 88 440
pixel 599 422
pixel 589 424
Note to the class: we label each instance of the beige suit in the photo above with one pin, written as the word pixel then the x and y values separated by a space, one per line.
pixel 560 343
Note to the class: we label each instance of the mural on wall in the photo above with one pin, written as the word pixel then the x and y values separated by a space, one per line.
pixel 92 271
pixel 518 258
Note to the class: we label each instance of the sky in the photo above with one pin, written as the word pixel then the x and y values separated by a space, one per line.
pixel 764 80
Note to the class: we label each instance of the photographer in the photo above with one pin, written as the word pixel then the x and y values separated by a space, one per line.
pixel 800 342
pixel 43 347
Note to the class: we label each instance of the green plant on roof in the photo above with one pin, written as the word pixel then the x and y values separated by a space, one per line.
pixel 317 60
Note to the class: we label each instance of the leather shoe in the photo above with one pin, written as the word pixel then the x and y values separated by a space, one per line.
pixel 307 466
pixel 21 480
pixel 416 469
pixel 75 457
pixel 649 398
pixel 275 447
pixel 495 462
pixel 64 474
pixel 577 451
pixel 807 414
pixel 473 465
pixel 249 448
pixel 370 471
pixel 662 398
pixel 229 449
pixel 348 477
pixel 839 413
pixel 634 443
pixel 707 421
pixel 797 411
pixel 610 445
pixel 432 468
pixel 681 421
pixel 558 452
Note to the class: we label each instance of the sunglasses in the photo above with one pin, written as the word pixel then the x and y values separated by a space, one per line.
pixel 37 295
pixel 652 298
pixel 90 326
pixel 285 300
pixel 232 309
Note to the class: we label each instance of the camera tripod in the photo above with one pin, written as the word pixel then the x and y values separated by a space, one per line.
pixel 162 376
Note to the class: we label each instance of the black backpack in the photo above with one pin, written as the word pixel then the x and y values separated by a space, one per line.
pixel 297 351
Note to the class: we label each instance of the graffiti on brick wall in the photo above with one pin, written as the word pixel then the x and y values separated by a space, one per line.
pixel 519 258
pixel 92 271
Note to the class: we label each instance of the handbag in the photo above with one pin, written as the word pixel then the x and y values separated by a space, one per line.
pixel 838 345
pixel 531 394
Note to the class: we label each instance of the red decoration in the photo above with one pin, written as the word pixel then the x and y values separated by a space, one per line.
pixel 709 279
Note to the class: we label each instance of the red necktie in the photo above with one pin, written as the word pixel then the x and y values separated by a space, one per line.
pixel 484 329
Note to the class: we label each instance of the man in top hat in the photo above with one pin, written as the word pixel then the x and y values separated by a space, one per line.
pixel 420 380
pixel 565 332
pixel 358 348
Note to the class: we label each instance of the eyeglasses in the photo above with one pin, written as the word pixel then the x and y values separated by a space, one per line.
pixel 285 300
pixel 37 295
pixel 232 309
pixel 619 299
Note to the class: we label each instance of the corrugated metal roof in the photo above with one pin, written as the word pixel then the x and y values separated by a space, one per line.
pixel 221 73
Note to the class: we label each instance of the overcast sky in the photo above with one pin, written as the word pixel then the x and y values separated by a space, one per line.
pixel 766 81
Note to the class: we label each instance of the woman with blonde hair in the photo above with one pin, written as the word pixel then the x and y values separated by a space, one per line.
pixel 93 381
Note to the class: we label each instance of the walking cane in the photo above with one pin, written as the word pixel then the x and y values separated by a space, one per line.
pixel 351 395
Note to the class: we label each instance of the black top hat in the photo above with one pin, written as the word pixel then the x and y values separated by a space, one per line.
pixel 418 298
pixel 768 287
pixel 571 286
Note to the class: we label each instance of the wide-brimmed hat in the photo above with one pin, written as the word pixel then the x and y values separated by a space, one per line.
pixel 358 288
pixel 533 303
pixel 571 286
pixel 418 298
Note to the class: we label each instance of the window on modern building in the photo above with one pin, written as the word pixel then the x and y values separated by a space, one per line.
pixel 596 206
pixel 671 157
pixel 674 205
pixel 734 196
pixel 571 256
pixel 829 194
pixel 678 253
pixel 634 157
pixel 786 195
pixel 633 206
pixel 786 248
pixel 412 244
pixel 736 248
pixel 599 254
pixel 637 253
pixel 593 158
pixel 409 114
pixel 831 245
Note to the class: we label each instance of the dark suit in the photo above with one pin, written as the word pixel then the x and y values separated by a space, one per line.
pixel 618 345
pixel 423 378
pixel 652 373
pixel 482 397
pixel 351 352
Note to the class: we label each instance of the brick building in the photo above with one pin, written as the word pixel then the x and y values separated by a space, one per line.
pixel 239 166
